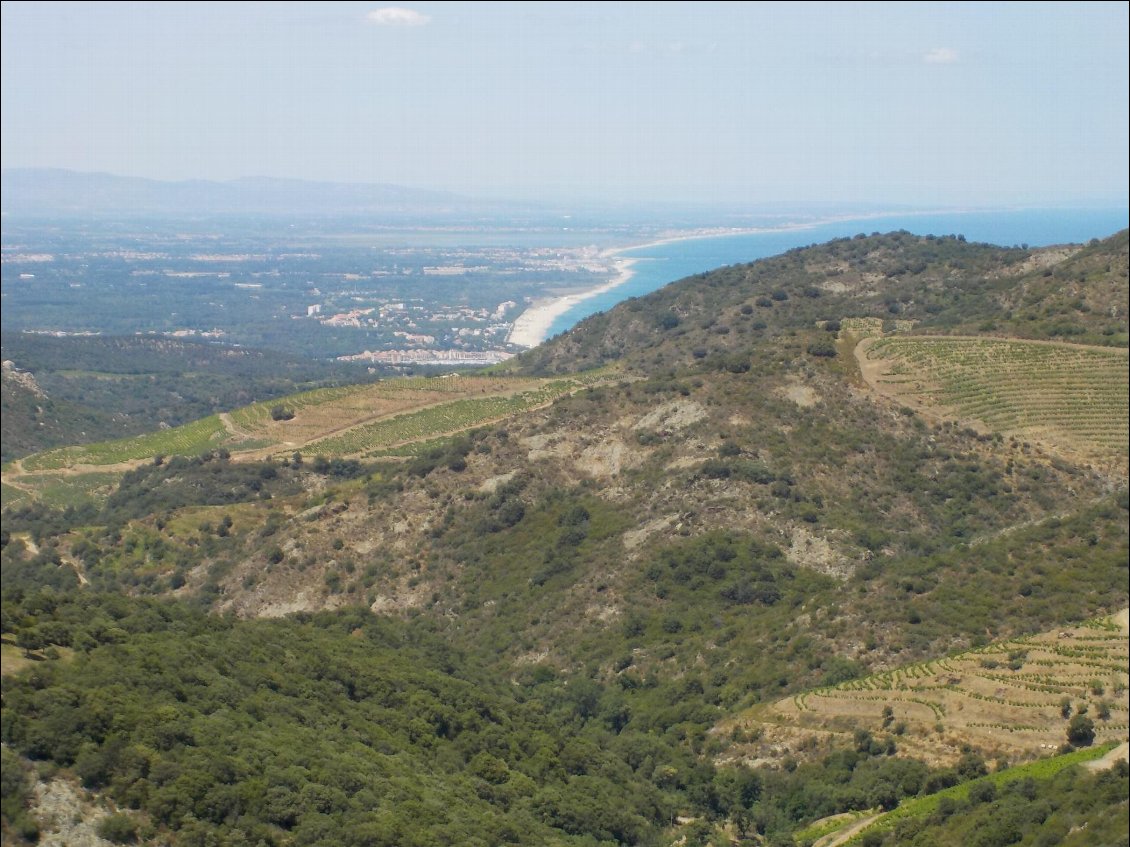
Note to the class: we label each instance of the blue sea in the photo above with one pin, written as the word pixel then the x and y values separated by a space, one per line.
pixel 664 263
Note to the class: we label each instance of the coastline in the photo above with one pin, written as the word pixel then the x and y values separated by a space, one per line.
pixel 532 326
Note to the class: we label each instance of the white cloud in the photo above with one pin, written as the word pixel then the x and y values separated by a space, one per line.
pixel 667 48
pixel 396 16
pixel 940 56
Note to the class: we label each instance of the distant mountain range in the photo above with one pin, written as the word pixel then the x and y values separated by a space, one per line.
pixel 50 191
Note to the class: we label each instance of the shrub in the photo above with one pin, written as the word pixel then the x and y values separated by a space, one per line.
pixel 982 792
pixel 119 828
pixel 823 347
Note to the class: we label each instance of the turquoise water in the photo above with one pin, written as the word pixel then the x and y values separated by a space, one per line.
pixel 666 263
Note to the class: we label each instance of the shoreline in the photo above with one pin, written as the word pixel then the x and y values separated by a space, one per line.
pixel 532 326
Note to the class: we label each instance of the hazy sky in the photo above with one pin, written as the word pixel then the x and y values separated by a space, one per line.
pixel 923 103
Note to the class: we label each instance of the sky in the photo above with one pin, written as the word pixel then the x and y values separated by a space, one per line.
pixel 926 104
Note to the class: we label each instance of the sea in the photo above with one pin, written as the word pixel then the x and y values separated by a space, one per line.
pixel 660 264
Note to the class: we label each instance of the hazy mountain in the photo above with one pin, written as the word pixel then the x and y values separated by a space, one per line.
pixel 55 192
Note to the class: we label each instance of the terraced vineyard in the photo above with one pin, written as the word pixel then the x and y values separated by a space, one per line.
pixel 1011 698
pixel 62 489
pixel 435 420
pixel 321 413
pixel 187 440
pixel 1071 397
pixel 358 420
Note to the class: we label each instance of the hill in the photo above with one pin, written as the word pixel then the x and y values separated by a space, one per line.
pixel 725 515
pixel 935 285
pixel 135 384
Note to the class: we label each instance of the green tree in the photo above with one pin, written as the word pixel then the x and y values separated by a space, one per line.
pixel 29 640
pixel 1081 731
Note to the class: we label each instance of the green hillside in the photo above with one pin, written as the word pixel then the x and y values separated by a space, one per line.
pixel 68 390
pixel 938 284
pixel 619 562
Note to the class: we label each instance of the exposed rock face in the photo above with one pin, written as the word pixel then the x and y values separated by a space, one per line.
pixel 66 817
pixel 672 416
pixel 24 379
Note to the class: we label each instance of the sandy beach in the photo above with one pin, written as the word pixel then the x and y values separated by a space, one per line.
pixel 532 326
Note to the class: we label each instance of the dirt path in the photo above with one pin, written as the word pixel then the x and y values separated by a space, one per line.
pixel 846 834
pixel 28 542
pixel 1121 753
pixel 231 427
pixel 33 548
pixel 1043 342
pixel 76 566
pixel 10 478
pixel 22 486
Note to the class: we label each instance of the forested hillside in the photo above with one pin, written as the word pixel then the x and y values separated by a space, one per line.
pixel 538 630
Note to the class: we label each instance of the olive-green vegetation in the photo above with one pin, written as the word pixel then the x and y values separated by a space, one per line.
pixel 603 578
pixel 111 548
pixel 332 729
pixel 95 388
pixel 31 421
pixel 16 780
pixel 347 728
pixel 1049 803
